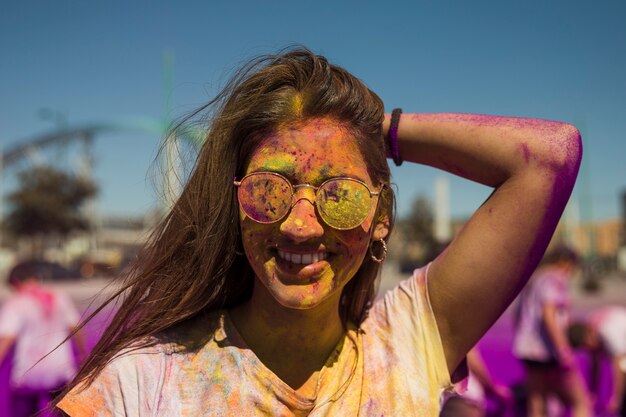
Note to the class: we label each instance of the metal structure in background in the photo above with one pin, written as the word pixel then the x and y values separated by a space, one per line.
pixel 85 135
pixel 64 135
pixel 25 148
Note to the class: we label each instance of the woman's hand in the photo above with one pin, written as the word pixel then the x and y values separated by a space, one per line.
pixel 532 164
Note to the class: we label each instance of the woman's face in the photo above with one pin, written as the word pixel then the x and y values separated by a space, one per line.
pixel 299 259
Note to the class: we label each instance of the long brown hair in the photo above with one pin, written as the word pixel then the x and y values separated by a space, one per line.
pixel 191 263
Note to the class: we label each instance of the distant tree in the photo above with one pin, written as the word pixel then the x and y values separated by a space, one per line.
pixel 417 226
pixel 47 202
pixel 418 241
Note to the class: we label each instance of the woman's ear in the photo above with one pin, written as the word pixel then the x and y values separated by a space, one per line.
pixel 381 230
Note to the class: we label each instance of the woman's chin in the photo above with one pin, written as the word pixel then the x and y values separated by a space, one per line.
pixel 303 294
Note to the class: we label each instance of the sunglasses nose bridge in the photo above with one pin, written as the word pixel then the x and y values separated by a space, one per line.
pixel 303 194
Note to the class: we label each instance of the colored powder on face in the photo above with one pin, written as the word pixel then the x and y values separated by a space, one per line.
pixel 324 170
pixel 283 164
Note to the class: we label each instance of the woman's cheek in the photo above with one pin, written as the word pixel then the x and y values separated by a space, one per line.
pixel 356 242
pixel 251 236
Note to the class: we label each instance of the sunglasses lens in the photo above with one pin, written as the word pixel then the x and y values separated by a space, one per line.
pixel 343 204
pixel 265 198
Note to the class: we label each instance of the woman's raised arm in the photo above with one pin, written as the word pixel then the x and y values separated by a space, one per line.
pixel 532 164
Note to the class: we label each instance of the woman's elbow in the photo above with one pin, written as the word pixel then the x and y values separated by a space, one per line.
pixel 561 150
pixel 569 156
pixel 563 157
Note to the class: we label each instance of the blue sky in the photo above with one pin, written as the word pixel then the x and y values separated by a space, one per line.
pixel 103 62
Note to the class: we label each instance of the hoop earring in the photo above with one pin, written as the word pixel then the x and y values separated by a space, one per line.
pixel 384 245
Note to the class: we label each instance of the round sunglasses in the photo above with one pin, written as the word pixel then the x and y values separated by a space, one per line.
pixel 343 203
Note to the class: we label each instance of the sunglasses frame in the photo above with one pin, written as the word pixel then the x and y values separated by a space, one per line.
pixel 315 188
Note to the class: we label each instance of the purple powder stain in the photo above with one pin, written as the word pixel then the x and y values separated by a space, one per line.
pixel 526 152
pixel 453 168
pixel 564 180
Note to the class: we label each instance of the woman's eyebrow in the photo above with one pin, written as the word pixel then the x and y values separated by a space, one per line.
pixel 327 173
pixel 287 171
pixel 293 176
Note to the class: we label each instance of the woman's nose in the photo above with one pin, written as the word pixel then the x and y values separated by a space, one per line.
pixel 302 223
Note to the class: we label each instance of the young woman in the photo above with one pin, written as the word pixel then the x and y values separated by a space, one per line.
pixel 255 295
pixel 540 340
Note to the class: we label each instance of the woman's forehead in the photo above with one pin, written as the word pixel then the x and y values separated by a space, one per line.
pixel 314 149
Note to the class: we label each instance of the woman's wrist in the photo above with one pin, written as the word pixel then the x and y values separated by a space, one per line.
pixel 392 142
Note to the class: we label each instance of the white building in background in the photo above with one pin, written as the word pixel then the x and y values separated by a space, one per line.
pixel 442 224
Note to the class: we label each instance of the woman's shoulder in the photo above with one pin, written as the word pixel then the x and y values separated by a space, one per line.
pixel 401 328
pixel 408 299
pixel 134 372
pixel 186 337
pixel 408 290
pixel 141 370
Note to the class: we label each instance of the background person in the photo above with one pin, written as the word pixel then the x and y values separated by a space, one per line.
pixel 604 334
pixel 540 339
pixel 473 400
pixel 482 385
pixel 35 320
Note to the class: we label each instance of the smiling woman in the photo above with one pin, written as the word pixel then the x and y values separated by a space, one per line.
pixel 255 296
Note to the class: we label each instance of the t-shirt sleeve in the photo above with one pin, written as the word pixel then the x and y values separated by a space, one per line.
pixel 406 316
pixel 548 290
pixel 123 388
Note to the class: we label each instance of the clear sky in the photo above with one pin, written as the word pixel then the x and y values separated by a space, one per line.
pixel 102 61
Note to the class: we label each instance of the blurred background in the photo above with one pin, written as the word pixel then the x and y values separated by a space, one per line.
pixel 88 89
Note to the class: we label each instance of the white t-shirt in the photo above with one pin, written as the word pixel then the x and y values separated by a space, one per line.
pixel 531 341
pixel 38 330
pixel 610 323
pixel 394 365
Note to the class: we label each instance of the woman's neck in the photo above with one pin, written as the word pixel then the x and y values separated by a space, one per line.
pixel 282 337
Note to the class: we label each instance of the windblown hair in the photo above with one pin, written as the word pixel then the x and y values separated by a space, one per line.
pixel 191 264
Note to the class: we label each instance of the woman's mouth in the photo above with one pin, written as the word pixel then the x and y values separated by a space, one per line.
pixel 302 258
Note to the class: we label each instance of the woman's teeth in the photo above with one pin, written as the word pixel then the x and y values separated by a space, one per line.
pixel 302 258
